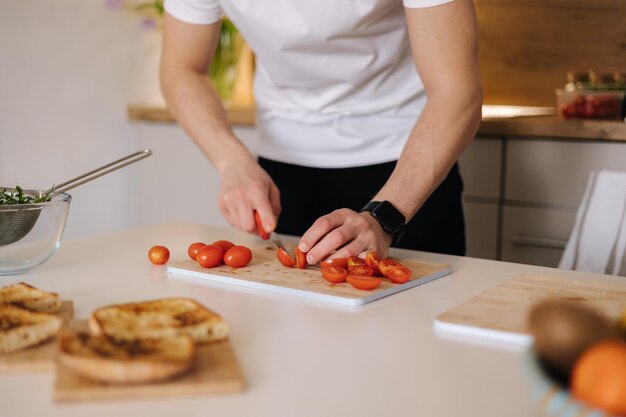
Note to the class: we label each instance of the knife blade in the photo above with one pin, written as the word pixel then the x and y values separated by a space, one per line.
pixel 276 240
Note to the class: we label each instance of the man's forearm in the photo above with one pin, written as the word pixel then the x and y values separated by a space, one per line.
pixel 443 131
pixel 198 109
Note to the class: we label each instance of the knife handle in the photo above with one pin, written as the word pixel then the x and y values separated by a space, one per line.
pixel 259 226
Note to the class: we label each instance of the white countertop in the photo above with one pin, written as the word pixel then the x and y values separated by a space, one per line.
pixel 299 357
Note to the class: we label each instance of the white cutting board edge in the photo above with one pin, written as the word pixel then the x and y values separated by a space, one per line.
pixel 311 294
pixel 472 332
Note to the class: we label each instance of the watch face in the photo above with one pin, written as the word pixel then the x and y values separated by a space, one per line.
pixel 389 216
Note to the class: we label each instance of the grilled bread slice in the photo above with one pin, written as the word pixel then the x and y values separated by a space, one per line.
pixel 131 362
pixel 158 319
pixel 30 298
pixel 20 328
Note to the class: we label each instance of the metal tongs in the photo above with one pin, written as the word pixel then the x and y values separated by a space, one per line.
pixel 18 222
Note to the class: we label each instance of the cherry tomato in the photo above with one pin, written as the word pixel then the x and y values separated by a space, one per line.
pixel 372 259
pixel 334 274
pixel 158 255
pixel 262 233
pixel 361 270
pixel 300 258
pixel 354 261
pixel 238 256
pixel 209 256
pixel 192 251
pixel 386 264
pixel 363 283
pixel 399 274
pixel 341 262
pixel 224 244
pixel 284 258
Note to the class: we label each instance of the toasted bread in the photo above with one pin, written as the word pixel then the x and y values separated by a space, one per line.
pixel 157 319
pixel 20 328
pixel 30 298
pixel 131 362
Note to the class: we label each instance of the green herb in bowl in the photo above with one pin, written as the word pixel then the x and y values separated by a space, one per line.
pixel 17 196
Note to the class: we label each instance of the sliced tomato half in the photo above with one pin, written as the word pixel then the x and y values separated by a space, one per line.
pixel 399 274
pixel 340 262
pixel 354 261
pixel 284 258
pixel 300 258
pixel 361 270
pixel 363 283
pixel 386 264
pixel 372 259
pixel 334 274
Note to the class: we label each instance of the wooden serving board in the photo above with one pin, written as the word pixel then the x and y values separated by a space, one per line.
pixel 40 358
pixel 501 313
pixel 266 273
pixel 216 371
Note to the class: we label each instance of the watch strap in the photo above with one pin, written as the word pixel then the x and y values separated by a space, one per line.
pixel 394 225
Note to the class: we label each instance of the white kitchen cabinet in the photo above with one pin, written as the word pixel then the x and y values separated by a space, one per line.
pixel 481 229
pixel 555 172
pixel 480 167
pixel 535 235
pixel 522 194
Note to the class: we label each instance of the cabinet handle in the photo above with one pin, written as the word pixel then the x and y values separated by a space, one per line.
pixel 538 241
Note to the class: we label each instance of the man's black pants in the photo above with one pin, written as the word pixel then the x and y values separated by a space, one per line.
pixel 308 193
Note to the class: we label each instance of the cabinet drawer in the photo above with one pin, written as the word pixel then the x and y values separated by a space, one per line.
pixel 556 172
pixel 535 236
pixel 480 168
pixel 481 229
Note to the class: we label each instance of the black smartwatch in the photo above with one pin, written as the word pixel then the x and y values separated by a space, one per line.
pixel 389 217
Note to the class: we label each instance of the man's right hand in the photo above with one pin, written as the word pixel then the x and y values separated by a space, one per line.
pixel 246 187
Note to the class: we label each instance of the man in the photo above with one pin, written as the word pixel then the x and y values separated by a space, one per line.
pixel 344 117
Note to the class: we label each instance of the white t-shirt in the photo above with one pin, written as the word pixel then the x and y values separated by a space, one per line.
pixel 335 81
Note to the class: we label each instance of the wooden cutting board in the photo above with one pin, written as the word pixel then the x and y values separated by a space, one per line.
pixel 40 358
pixel 266 273
pixel 216 371
pixel 500 313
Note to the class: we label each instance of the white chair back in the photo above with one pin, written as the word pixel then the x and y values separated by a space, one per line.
pixel 598 240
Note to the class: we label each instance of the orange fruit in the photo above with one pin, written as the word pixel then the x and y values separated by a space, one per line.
pixel 599 376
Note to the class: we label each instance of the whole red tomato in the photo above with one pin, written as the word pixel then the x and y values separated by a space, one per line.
pixel 158 255
pixel 192 251
pixel 238 256
pixel 209 256
pixel 224 244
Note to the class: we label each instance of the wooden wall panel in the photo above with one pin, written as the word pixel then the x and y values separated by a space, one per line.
pixel 527 46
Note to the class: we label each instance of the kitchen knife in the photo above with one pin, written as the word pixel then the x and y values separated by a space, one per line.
pixel 265 236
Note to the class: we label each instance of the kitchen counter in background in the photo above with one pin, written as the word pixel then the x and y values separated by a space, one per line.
pixel 532 126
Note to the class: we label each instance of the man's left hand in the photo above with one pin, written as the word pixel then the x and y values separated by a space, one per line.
pixel 344 233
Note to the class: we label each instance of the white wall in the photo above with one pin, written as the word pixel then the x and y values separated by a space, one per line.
pixel 179 183
pixel 68 70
